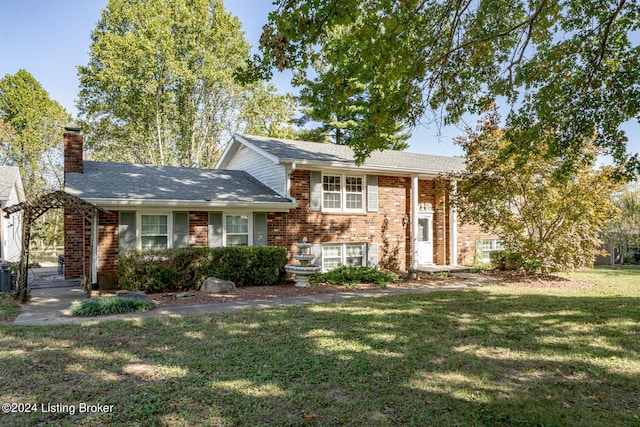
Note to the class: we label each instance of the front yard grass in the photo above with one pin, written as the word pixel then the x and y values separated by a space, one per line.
pixel 494 356
pixel 9 307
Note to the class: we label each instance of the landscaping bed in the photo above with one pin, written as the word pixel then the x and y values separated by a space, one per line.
pixel 174 299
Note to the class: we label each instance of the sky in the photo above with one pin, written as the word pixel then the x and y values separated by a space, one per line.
pixel 50 38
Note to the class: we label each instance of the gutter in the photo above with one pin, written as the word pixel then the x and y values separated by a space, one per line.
pixel 371 169
pixel 254 206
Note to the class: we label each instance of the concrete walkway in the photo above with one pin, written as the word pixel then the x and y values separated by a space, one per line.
pixel 51 306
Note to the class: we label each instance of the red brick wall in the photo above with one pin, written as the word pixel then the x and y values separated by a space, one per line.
pixel 384 227
pixel 73 151
pixel 108 241
pixel 73 244
pixel 198 228
pixel 468 235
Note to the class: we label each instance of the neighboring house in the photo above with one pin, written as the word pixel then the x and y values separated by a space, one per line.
pixel 392 211
pixel 11 193
pixel 623 247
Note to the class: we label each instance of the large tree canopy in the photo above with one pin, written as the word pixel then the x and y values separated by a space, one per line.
pixel 569 65
pixel 159 85
pixel 550 218
pixel 31 126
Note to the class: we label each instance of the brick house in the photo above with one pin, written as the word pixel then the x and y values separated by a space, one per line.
pixel 11 193
pixel 392 211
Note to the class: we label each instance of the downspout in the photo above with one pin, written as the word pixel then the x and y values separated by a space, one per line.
pixel 288 191
pixel 414 222
pixel 94 249
pixel 288 182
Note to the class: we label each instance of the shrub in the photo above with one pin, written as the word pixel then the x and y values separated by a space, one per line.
pixel 101 306
pixel 186 268
pixel 349 276
pixel 508 260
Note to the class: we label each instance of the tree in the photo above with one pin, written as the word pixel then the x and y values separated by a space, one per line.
pixel 159 86
pixel 623 233
pixel 7 140
pixel 267 113
pixel 32 124
pixel 550 217
pixel 571 65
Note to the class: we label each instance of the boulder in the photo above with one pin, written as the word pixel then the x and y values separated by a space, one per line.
pixel 214 285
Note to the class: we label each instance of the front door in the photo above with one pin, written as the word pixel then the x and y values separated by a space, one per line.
pixel 424 241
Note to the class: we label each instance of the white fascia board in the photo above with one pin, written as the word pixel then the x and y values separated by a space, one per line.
pixel 241 140
pixel 372 170
pixel 228 149
pixel 194 204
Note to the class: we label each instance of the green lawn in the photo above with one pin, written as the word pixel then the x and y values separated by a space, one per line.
pixel 494 357
pixel 9 307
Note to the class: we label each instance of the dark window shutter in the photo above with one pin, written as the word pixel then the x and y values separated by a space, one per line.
pixel 215 229
pixel 181 229
pixel 259 229
pixel 316 250
pixel 127 231
pixel 315 190
pixel 372 193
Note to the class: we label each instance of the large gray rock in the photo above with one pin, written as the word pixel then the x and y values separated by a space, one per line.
pixel 214 285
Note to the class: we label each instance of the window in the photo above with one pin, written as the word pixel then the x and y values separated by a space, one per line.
pixel 342 193
pixel 331 256
pixel 331 194
pixel 337 254
pixel 353 191
pixel 154 232
pixel 487 246
pixel 237 230
pixel 354 255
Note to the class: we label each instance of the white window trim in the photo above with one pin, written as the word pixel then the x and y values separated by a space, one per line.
pixel 343 253
pixel 343 192
pixel 169 216
pixel 249 216
pixel 494 244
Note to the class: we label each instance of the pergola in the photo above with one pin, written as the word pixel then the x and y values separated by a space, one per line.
pixel 32 209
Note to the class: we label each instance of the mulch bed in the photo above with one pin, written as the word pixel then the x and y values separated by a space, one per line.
pixel 510 279
pixel 515 279
pixel 282 291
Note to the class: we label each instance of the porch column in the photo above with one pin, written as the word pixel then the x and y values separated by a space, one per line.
pixel 414 221
pixel 453 223
pixel 94 249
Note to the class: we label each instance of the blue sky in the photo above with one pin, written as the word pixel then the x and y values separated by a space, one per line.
pixel 50 38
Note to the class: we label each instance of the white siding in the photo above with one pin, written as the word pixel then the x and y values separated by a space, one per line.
pixel 261 168
pixel 12 231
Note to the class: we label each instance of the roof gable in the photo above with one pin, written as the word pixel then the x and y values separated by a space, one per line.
pixel 10 178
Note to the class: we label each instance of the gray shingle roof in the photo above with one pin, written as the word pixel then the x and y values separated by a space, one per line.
pixel 303 151
pixel 8 176
pixel 106 180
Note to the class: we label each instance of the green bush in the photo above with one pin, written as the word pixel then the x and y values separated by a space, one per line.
pixel 186 268
pixel 349 276
pixel 101 306
pixel 508 260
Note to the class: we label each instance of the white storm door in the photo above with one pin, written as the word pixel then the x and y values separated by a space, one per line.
pixel 424 240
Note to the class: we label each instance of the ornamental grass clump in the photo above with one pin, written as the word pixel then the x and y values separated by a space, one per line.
pixel 101 306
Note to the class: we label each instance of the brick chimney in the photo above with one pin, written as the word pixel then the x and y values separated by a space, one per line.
pixel 72 150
